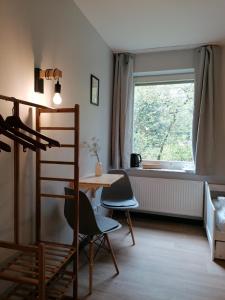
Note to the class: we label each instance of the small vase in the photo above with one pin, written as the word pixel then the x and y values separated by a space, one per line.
pixel 98 169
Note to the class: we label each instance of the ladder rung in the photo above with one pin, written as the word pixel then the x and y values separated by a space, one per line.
pixel 60 110
pixel 57 128
pixel 56 179
pixel 57 196
pixel 55 162
pixel 19 279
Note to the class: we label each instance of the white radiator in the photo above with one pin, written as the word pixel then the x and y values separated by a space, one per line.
pixel 169 196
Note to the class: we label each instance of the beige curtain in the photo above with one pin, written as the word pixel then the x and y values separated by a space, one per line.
pixel 122 111
pixel 203 135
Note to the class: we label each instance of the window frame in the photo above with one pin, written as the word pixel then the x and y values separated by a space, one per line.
pixel 157 78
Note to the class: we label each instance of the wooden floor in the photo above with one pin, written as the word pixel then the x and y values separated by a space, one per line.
pixel 170 261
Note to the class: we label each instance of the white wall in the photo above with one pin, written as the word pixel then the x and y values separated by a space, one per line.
pixel 49 34
pixel 164 60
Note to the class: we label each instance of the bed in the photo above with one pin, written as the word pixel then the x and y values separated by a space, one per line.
pixel 214 219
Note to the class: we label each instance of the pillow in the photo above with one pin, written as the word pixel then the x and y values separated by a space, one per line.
pixel 221 201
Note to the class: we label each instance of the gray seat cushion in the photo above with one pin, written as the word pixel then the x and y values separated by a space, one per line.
pixel 106 224
pixel 120 204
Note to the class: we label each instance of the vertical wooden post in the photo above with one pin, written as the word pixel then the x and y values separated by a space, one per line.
pixel 16 181
pixel 41 272
pixel 76 199
pixel 38 188
pixel 91 265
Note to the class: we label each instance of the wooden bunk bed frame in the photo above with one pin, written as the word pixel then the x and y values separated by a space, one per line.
pixel 39 271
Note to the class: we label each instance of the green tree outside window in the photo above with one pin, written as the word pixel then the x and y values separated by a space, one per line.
pixel 163 121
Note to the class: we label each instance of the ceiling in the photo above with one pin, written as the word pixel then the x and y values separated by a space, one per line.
pixel 143 25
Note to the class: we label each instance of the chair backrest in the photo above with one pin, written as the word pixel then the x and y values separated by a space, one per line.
pixel 120 190
pixel 87 222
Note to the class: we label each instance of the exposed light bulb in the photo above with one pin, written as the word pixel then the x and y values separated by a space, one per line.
pixel 57 99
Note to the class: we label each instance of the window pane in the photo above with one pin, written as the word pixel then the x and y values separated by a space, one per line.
pixel 163 121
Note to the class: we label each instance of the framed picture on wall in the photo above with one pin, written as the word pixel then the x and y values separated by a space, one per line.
pixel 94 90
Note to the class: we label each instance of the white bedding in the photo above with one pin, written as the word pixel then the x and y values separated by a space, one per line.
pixel 219 205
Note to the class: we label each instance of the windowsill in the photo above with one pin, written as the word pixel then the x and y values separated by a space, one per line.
pixel 165 173
pixel 186 166
pixel 162 170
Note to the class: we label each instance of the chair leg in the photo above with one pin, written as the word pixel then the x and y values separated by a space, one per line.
pixel 111 213
pixel 111 252
pixel 129 222
pixel 91 265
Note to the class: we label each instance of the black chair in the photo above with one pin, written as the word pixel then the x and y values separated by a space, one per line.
pixel 93 226
pixel 120 197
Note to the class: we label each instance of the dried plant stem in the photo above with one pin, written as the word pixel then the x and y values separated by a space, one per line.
pixel 96 153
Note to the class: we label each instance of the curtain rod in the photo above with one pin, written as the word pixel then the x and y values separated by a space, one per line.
pixel 12 99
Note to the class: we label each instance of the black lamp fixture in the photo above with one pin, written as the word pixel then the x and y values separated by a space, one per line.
pixel 49 74
pixel 57 99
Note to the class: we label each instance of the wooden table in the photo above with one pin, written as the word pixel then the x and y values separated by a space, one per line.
pixel 93 183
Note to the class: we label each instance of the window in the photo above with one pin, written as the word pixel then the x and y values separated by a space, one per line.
pixel 163 114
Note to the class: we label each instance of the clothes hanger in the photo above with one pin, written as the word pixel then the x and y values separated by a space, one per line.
pixel 3 130
pixel 27 138
pixel 16 139
pixel 5 147
pixel 15 121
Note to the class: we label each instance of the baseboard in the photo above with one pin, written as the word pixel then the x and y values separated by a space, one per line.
pixel 153 216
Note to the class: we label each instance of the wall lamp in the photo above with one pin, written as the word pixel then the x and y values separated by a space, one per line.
pixel 49 74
